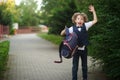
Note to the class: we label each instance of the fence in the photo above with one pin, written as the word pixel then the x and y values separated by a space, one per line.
pixel 27 30
pixel 4 30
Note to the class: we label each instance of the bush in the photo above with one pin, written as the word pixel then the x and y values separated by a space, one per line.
pixel 6 17
pixel 4 48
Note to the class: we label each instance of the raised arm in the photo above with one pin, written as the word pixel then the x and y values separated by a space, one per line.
pixel 92 9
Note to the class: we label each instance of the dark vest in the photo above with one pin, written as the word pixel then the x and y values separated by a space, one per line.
pixel 82 35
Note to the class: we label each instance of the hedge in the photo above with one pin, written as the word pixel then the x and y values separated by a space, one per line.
pixel 4 49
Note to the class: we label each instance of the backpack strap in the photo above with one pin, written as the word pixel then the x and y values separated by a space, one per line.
pixel 60 47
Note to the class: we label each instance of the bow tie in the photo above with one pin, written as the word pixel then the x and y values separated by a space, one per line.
pixel 78 26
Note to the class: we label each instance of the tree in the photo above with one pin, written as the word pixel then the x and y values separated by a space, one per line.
pixel 28 13
pixel 5 15
pixel 58 16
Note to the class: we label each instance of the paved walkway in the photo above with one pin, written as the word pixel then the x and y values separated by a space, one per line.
pixel 31 58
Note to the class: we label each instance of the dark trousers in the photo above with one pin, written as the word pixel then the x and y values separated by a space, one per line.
pixel 83 55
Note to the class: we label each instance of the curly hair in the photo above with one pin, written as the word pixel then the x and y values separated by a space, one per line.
pixel 81 14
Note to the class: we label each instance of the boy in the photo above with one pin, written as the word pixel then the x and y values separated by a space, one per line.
pixel 81 27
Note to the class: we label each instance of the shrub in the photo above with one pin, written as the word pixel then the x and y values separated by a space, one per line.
pixel 4 48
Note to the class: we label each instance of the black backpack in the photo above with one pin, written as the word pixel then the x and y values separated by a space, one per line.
pixel 68 46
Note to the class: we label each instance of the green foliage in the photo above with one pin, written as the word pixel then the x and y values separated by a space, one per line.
pixel 104 36
pixel 28 14
pixel 5 15
pixel 7 18
pixel 60 16
pixel 4 49
pixel 56 39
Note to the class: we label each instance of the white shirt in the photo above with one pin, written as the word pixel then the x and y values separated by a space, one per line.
pixel 87 25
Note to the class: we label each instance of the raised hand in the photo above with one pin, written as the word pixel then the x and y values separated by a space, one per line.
pixel 91 8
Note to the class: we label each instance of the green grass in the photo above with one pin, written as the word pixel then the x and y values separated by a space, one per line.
pixel 56 39
pixel 4 49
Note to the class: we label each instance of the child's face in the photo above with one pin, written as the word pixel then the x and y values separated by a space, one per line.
pixel 79 20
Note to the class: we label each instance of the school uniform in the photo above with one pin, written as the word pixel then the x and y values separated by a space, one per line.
pixel 82 49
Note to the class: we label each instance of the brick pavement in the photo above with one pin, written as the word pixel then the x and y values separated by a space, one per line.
pixel 31 58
